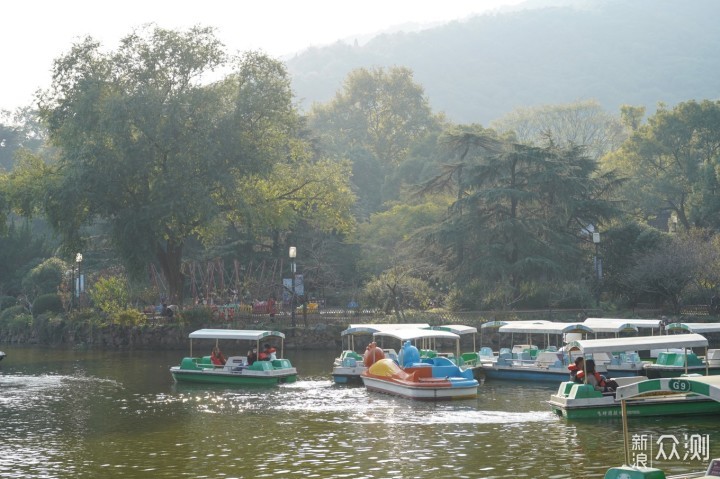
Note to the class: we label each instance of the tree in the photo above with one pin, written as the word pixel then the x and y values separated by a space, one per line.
pixel 672 165
pixel 666 272
pixel 582 123
pixel 151 149
pixel 521 210
pixel 373 121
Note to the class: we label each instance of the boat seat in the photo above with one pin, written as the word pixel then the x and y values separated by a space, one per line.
pixel 236 363
pixel 486 352
pixel 579 391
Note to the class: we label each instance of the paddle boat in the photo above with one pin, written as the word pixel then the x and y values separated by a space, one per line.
pixel 574 400
pixel 704 386
pixel 468 359
pixel 430 379
pixel 236 370
pixel 582 401
pixel 681 361
pixel 526 361
pixel 349 365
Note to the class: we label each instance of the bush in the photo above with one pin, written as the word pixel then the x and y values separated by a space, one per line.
pixel 17 324
pixel 197 317
pixel 12 312
pixel 128 317
pixel 45 278
pixel 47 303
pixel 49 328
pixel 110 294
pixel 7 301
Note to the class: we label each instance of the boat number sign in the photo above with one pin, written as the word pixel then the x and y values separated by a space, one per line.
pixel 680 385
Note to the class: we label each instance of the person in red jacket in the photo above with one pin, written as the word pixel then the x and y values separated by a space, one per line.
pixel 267 353
pixel 575 368
pixel 217 357
pixel 594 378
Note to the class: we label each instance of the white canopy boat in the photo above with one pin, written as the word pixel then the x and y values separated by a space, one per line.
pixel 239 369
pixel 526 361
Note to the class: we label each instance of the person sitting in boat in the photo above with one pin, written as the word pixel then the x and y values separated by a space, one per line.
pixel 217 357
pixel 575 368
pixel 268 353
pixel 594 378
pixel 252 356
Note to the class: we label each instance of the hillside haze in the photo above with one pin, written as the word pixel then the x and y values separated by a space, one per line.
pixel 475 71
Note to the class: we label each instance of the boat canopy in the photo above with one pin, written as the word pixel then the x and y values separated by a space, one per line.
pixel 602 325
pixel 708 386
pixel 411 334
pixel 246 334
pixel 640 323
pixel 544 327
pixel 498 324
pixel 694 327
pixel 427 337
pixel 374 328
pixel 456 328
pixel 612 345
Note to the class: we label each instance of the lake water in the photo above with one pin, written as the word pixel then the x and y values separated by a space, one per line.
pixel 97 414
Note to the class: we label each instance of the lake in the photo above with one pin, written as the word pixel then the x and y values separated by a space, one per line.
pixel 106 414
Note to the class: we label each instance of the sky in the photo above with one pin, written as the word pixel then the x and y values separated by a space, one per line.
pixel 33 33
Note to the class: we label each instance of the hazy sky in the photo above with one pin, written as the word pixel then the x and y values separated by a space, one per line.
pixel 35 32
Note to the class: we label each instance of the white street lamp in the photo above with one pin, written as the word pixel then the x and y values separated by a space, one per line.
pixel 292 254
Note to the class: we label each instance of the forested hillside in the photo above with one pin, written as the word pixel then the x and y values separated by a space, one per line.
pixel 614 51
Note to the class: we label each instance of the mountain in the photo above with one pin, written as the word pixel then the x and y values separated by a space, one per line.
pixel 476 70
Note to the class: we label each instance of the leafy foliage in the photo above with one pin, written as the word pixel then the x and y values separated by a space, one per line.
pixel 45 278
pixel 47 303
pixel 110 294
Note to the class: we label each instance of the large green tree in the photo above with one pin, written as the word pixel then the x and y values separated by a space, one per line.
pixel 520 211
pixel 374 120
pixel 155 151
pixel 673 165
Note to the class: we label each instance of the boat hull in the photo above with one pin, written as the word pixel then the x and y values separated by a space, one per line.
pixel 239 378
pixel 525 374
pixel 655 371
pixel 348 375
pixel 429 390
pixel 582 401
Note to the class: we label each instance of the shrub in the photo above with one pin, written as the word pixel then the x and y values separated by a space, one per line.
pixel 197 317
pixel 47 303
pixel 12 312
pixel 110 294
pixel 45 277
pixel 49 328
pixel 17 324
pixel 7 301
pixel 128 317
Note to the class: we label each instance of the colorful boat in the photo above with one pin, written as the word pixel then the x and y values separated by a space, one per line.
pixel 237 370
pixel 349 365
pixel 429 379
pixel 469 359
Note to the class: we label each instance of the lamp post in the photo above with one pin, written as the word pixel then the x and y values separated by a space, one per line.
pixel 598 266
pixel 78 285
pixel 293 254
